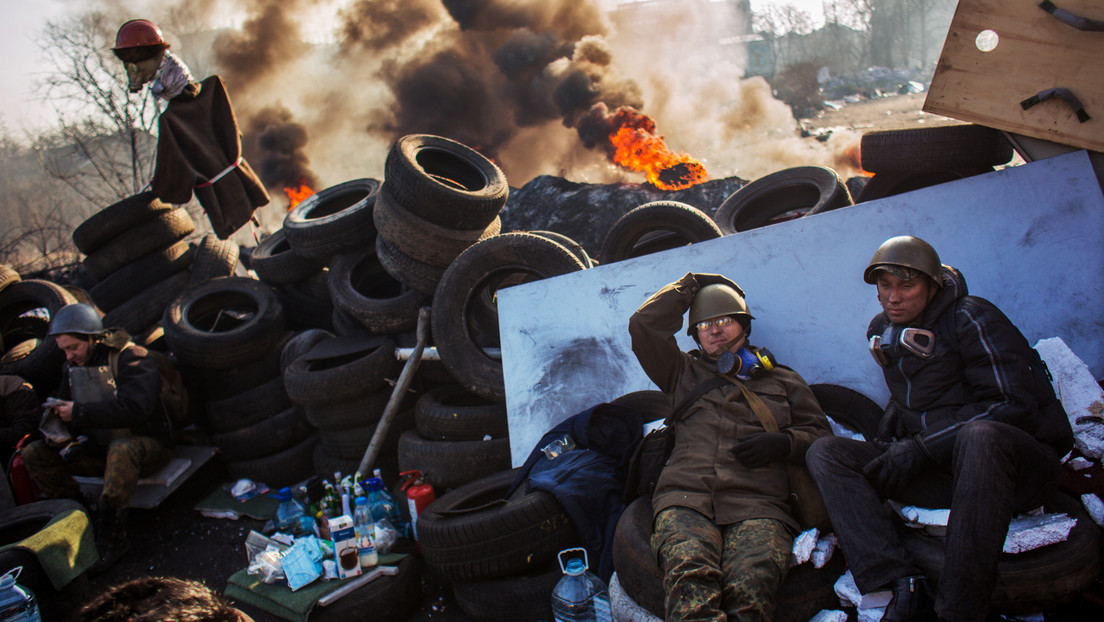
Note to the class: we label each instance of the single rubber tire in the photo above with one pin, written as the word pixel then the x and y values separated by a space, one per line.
pixel 849 408
pixel 132 279
pixel 933 149
pixel 280 469
pixel 270 435
pixel 145 309
pixel 224 323
pixel 466 296
pixel 781 196
pixel 8 275
pixel 417 275
pixel 214 258
pixel 571 245
pixel 450 464
pixel 41 366
pixel 276 263
pixel 355 412
pixel 476 533
pixel 333 221
pixel 529 596
pixel 451 413
pixel 301 343
pixel 363 289
pixel 113 220
pixel 689 223
pixel 165 229
pixel 883 185
pixel 445 182
pixel 1035 580
pixel 247 408
pixel 340 370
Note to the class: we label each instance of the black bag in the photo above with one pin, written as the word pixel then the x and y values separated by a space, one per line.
pixel 652 452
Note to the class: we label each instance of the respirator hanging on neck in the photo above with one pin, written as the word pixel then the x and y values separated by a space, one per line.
pixel 746 363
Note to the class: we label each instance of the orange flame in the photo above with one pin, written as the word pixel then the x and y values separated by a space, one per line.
pixel 636 146
pixel 296 195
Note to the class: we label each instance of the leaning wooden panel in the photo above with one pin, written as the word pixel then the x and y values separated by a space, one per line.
pixel 1034 52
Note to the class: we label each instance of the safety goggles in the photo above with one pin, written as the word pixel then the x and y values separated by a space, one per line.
pixel 719 322
pixel 889 344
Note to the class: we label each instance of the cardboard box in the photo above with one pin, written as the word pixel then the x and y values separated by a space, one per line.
pixel 345 546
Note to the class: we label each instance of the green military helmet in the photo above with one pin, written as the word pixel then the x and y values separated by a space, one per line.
pixel 904 256
pixel 76 318
pixel 716 300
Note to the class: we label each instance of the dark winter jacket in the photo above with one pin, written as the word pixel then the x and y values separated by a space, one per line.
pixel 19 413
pixel 703 474
pixel 136 405
pixel 198 139
pixel 982 369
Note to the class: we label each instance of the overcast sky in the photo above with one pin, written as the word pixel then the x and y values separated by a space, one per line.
pixel 22 20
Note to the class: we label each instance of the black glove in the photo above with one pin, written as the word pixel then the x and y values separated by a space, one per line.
pixel 889 426
pixel 706 278
pixel 893 469
pixel 761 449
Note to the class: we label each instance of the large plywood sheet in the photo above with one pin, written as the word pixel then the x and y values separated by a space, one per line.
pixel 1035 52
pixel 1029 238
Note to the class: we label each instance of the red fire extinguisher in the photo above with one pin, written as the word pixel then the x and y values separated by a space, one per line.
pixel 418 495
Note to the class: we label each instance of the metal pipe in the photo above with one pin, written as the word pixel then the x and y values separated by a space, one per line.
pixel 405 378
pixel 431 354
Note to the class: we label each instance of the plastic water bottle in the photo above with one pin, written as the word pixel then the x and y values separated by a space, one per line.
pixel 17 603
pixel 365 529
pixel 383 504
pixel 580 596
pixel 289 513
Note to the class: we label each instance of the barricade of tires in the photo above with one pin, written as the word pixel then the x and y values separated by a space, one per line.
pixel 26 307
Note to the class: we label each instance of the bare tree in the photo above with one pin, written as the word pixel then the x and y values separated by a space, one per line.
pixel 103 145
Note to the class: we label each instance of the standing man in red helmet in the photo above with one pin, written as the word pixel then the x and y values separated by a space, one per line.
pixel 972 425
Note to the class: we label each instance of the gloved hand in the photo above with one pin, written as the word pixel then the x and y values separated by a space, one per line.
pixel 706 278
pixel 893 469
pixel 761 449
pixel 890 427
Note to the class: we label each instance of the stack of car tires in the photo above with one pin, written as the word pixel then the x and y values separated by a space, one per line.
pixel 26 307
pixel 229 333
pixel 438 198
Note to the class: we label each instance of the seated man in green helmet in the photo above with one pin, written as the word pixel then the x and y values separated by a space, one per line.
pixel 723 527
pixel 109 393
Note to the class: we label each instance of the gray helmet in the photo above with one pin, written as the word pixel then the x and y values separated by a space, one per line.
pixel 904 256
pixel 76 318
pixel 716 300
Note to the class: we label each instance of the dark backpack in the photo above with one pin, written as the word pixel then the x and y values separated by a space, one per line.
pixel 173 396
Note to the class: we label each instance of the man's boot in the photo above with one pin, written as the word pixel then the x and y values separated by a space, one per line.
pixel 111 538
pixel 912 601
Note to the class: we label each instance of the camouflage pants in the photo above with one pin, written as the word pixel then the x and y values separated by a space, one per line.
pixel 720 573
pixel 127 460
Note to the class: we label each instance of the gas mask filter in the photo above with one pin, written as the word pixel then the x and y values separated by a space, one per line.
pixel 895 340
pixel 746 363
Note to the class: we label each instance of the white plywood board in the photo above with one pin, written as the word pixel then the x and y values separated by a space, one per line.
pixel 1029 238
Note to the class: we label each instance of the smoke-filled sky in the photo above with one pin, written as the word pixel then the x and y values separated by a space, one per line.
pixel 512 78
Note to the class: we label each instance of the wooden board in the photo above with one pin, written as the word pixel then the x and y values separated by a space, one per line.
pixel 1035 52
pixel 152 490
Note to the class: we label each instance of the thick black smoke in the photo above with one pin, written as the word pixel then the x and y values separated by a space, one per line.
pixel 274 145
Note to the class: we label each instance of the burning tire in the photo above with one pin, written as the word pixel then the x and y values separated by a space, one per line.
pixel 276 263
pixel 677 223
pixel 445 182
pixel 805 591
pixel 224 323
pixel 421 239
pixel 163 230
pixel 214 258
pixel 782 196
pixel 115 219
pixel 450 413
pixel 360 286
pixel 333 221
pixel 417 275
pixel 450 464
pixel 849 408
pixel 132 279
pixel 465 317
pixel 883 185
pixel 933 149
pixel 1035 580
pixel 475 533
pixel 145 309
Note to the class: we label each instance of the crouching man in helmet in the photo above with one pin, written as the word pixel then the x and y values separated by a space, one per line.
pixel 972 425
pixel 110 394
pixel 723 528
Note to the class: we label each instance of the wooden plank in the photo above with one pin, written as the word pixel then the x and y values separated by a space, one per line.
pixel 152 490
pixel 1035 52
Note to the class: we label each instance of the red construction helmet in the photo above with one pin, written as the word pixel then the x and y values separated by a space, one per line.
pixel 138 33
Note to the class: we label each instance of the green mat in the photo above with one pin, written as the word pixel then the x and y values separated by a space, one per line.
pixel 279 600
pixel 220 504
pixel 65 547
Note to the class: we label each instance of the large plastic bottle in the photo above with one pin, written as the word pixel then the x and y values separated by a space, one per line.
pixel 580 596
pixel 382 503
pixel 289 513
pixel 365 527
pixel 17 603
